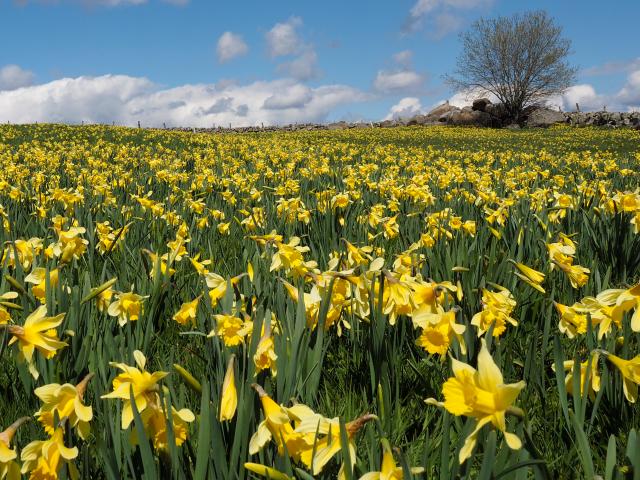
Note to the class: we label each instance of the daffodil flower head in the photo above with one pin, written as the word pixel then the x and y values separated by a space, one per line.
pixel 9 468
pixel 127 307
pixel 136 382
pixel 38 333
pixel 630 371
pixel 44 459
pixel 67 402
pixel 483 395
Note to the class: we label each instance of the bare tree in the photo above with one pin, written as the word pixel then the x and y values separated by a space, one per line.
pixel 520 59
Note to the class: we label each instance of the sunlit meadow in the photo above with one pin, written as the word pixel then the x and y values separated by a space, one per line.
pixel 369 303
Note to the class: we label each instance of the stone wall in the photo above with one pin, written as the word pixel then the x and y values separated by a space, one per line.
pixel 482 113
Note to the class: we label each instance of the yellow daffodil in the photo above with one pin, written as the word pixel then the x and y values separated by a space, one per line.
pixel 27 251
pixel 438 331
pixel 9 468
pixel 187 312
pixel 496 311
pixel 136 382
pixel 483 395
pixel 265 356
pixel 65 402
pixel 223 228
pixel 200 266
pixel 630 370
pixel 389 470
pixel 5 316
pixel 623 301
pixel 70 244
pixel 530 276
pixel 127 307
pixel 231 329
pixel 593 381
pixel 38 278
pixel 155 418
pixel 277 426
pixel 37 333
pixel 268 472
pixel 229 395
pixel 43 459
pixel 327 440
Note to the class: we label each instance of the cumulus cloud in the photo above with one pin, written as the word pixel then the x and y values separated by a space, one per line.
pixel 464 98
pixel 12 77
pixel 629 96
pixel 405 108
pixel 446 14
pixel 230 45
pixel 403 58
pixel 610 68
pixel 583 94
pixel 126 100
pixel 303 67
pixel 283 38
pixel 625 99
pixel 296 97
pixel 399 81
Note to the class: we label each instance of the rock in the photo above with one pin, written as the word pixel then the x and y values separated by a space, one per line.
pixel 337 126
pixel 388 124
pixel 480 104
pixel 421 120
pixel 442 112
pixel 497 110
pixel 513 126
pixel 471 117
pixel 577 119
pixel 544 117
pixel 446 117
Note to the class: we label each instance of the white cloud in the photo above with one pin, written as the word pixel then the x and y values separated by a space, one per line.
pixel 589 99
pixel 295 97
pixel 303 67
pixel 230 45
pixel 125 100
pixel 583 94
pixel 422 7
pixel 405 108
pixel 283 38
pixel 403 58
pixel 447 18
pixel 12 77
pixel 629 96
pixel 466 98
pixel 400 81
pixel 614 67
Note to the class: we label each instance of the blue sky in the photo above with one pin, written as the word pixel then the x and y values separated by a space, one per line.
pixel 205 62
